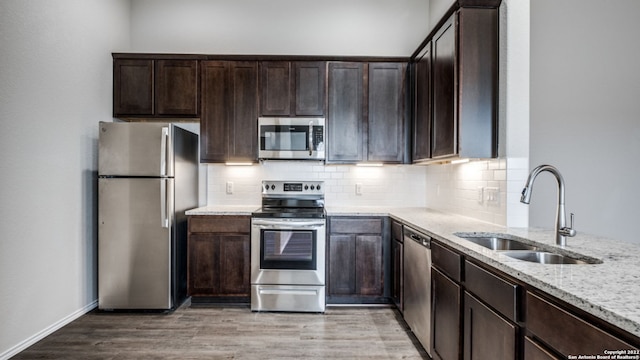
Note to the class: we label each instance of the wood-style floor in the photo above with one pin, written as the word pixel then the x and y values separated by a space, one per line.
pixel 233 333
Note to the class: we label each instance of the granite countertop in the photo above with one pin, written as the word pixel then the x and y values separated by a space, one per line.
pixel 224 210
pixel 608 290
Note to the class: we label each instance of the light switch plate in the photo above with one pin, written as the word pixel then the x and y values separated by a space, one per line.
pixel 358 189
pixel 229 187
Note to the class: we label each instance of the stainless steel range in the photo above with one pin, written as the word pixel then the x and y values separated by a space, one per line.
pixel 288 248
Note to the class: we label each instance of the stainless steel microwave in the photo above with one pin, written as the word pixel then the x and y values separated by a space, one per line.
pixel 291 138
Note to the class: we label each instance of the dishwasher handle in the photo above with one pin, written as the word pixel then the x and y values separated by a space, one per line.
pixel 422 239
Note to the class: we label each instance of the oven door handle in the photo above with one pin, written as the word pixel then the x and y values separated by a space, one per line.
pixel 270 224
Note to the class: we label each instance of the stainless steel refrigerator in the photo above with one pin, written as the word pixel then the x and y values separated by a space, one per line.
pixel 147 179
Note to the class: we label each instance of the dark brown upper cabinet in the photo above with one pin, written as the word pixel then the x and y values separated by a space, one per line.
pixel 386 115
pixel 444 126
pixel 456 83
pixel 345 120
pixel 228 123
pixel 292 88
pixel 132 87
pixel 155 88
pixel 421 139
pixel 366 112
pixel 176 88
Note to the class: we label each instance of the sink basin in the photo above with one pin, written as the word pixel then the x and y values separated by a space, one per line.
pixel 498 243
pixel 543 257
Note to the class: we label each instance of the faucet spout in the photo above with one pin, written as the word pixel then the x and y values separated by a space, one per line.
pixel 561 229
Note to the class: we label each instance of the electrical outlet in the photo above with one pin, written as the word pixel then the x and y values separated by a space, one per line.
pixel 358 189
pixel 229 187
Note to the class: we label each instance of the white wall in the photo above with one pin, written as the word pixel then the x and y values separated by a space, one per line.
pixel 585 92
pixel 55 85
pixel 280 27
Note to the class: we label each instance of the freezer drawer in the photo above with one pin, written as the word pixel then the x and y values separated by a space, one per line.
pixel 135 219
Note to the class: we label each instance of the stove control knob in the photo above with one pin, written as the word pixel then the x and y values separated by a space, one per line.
pixel 306 187
pixel 266 187
pixel 313 187
pixel 318 187
pixel 273 187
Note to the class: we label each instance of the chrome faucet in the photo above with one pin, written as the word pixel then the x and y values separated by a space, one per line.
pixel 561 229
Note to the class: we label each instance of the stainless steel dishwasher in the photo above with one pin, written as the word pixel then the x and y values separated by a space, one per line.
pixel 417 285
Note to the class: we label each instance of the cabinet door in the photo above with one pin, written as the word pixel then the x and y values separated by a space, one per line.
pixel 203 272
pixel 228 123
pixel 219 265
pixel 235 266
pixel 176 87
pixel 487 335
pixel 345 113
pixel 214 120
pixel 422 102
pixel 444 130
pixel 275 88
pixel 397 267
pixel 385 141
pixel 243 100
pixel 369 272
pixel 446 317
pixel 342 276
pixel 309 88
pixel 132 87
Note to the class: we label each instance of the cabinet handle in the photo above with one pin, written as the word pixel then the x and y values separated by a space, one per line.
pixel 310 138
pixel 163 151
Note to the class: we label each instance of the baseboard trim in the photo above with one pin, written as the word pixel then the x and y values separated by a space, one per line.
pixel 48 331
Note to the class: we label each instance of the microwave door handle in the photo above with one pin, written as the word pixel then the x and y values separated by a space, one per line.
pixel 310 138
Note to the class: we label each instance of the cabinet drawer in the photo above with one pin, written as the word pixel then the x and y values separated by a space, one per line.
pixel 446 260
pixel 565 332
pixel 220 224
pixel 356 226
pixel 396 231
pixel 493 290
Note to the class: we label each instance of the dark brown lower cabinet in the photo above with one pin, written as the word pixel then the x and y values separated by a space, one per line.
pixel 356 260
pixel 446 317
pixel 567 334
pixel 487 335
pixel 219 258
pixel 397 265
pixel 534 351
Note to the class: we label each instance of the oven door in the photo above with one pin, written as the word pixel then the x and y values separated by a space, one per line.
pixel 288 251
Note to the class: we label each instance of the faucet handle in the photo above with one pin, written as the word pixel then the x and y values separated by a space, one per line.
pixel 568 231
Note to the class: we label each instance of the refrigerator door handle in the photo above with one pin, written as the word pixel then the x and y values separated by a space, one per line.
pixel 164 212
pixel 163 151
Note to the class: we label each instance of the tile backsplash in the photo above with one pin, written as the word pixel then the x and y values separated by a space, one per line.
pixel 483 190
pixel 389 185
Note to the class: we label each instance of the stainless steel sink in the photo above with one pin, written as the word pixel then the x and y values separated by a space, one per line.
pixel 544 257
pixel 498 243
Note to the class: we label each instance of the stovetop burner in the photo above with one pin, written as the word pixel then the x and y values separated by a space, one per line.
pixel 292 199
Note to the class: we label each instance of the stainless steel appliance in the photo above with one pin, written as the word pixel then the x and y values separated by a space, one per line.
pixel 288 248
pixel 147 179
pixel 417 285
pixel 291 138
